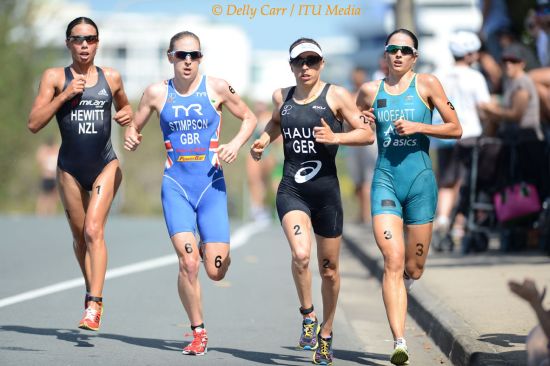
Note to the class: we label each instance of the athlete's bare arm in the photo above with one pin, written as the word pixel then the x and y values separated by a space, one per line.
pixel 272 129
pixel 430 90
pixel 50 98
pixel 341 101
pixel 229 97
pixel 124 114
pixel 151 100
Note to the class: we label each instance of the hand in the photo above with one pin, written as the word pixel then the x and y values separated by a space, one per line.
pixel 227 152
pixel 257 149
pixel 132 138
pixel 527 291
pixel 123 117
pixel 324 134
pixel 406 128
pixel 370 118
pixel 76 86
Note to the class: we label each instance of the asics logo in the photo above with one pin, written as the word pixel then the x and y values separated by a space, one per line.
pixel 197 108
pixel 308 172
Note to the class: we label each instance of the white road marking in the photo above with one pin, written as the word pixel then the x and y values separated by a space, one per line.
pixel 238 239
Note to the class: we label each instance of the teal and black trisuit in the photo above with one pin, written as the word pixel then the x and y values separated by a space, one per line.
pixel 403 183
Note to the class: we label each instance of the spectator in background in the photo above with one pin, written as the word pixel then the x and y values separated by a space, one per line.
pixel 361 159
pixel 495 17
pixel 46 156
pixel 519 114
pixel 466 89
pixel 507 38
pixel 536 29
pixel 383 69
pixel 538 340
pixel 259 173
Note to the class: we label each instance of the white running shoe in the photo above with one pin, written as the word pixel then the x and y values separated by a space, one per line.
pixel 408 281
pixel 400 354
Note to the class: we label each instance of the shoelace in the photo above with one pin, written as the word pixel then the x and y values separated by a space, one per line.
pixel 198 341
pixel 324 348
pixel 308 329
pixel 92 314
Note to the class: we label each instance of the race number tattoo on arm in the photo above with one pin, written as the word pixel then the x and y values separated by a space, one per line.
pixel 297 230
pixel 451 105
pixel 387 235
pixel 218 261
pixel 231 89
pixel 419 249
pixel 326 263
pixel 364 119
pixel 188 248
pixel 98 189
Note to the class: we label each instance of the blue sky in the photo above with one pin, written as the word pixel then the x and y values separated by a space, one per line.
pixel 265 32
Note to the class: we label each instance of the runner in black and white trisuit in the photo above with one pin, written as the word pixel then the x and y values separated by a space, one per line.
pixel 309 116
pixel 88 172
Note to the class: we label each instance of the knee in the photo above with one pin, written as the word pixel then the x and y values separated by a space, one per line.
pixel 217 275
pixel 330 275
pixel 300 260
pixel 414 270
pixel 93 232
pixel 393 263
pixel 189 267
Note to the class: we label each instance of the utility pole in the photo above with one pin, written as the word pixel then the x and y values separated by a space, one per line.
pixel 404 15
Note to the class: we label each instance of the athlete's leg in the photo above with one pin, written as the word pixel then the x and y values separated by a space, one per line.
pixel 189 289
pixel 417 247
pixel 216 260
pixel 388 233
pixel 103 192
pixel 75 203
pixel 328 258
pixel 297 227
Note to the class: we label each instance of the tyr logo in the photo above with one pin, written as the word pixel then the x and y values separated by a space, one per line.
pixel 197 108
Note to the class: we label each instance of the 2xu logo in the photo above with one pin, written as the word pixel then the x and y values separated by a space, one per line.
pixel 308 172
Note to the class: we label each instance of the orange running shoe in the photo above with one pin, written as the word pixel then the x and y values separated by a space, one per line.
pixel 198 346
pixel 92 317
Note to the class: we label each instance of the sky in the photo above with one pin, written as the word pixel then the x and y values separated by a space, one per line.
pixel 274 31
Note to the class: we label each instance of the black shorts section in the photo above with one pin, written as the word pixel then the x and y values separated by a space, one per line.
pixel 324 210
pixel 448 169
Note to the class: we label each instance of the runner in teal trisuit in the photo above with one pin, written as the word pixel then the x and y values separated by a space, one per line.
pixel 404 191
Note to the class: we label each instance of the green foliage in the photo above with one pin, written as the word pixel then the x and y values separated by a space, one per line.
pixel 20 67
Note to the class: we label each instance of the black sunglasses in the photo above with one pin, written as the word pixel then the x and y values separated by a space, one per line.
pixel 405 50
pixel 81 39
pixel 182 55
pixel 308 60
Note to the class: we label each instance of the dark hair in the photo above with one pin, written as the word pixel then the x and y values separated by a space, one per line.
pixel 80 20
pixel 303 40
pixel 404 31
pixel 181 35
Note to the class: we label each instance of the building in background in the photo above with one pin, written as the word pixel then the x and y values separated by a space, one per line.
pixel 136 44
pixel 435 21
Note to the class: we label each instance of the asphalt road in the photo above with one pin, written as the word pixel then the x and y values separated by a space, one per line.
pixel 251 316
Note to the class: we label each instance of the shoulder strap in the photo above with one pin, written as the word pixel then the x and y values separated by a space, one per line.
pixel 290 94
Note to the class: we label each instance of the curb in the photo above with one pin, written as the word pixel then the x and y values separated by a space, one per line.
pixel 456 339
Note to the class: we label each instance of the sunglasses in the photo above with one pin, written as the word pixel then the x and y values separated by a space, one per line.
pixel 308 60
pixel 182 55
pixel 405 50
pixel 511 60
pixel 81 39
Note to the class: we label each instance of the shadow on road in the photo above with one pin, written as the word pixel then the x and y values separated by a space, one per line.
pixel 83 339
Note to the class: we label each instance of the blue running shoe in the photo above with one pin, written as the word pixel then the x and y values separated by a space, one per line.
pixel 308 339
pixel 323 355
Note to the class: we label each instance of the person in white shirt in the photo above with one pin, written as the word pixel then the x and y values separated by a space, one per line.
pixel 466 88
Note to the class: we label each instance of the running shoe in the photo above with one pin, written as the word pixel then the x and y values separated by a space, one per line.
pixel 308 338
pixel 323 355
pixel 198 346
pixel 400 355
pixel 408 281
pixel 92 318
